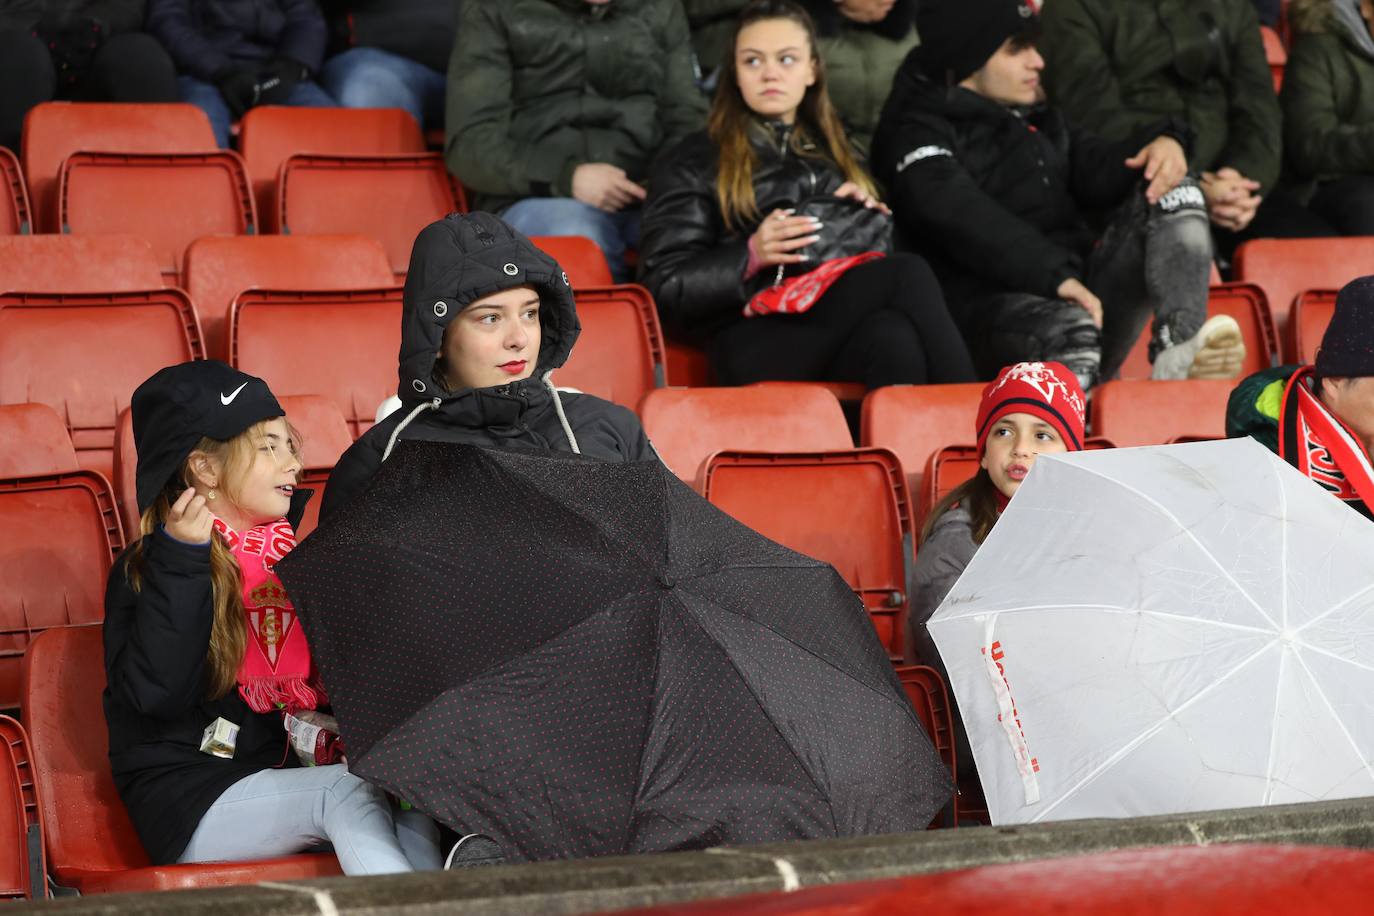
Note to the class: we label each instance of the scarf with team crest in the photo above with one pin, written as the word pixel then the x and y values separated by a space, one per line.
pixel 1317 443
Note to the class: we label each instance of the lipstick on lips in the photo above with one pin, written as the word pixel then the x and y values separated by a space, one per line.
pixel 514 367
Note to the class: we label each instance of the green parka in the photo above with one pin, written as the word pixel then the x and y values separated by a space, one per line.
pixel 1328 106
pixel 539 87
pixel 1119 65
pixel 713 25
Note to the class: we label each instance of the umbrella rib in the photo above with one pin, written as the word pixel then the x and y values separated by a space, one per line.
pixel 1118 610
pixel 1283 553
pixel 1340 658
pixel 1274 734
pixel 1147 734
pixel 1150 500
pixel 1359 755
pixel 1338 606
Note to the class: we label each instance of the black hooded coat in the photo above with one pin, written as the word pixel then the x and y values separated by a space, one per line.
pixel 456 261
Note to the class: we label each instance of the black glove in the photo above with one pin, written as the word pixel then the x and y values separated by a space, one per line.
pixel 241 90
pixel 278 78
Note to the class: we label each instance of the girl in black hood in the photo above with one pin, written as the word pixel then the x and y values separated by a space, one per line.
pixel 487 319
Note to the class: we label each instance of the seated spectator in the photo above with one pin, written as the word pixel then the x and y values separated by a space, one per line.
pixel 713 26
pixel 862 43
pixel 722 228
pixel 84 51
pixel 1328 111
pixel 1121 65
pixel 1320 418
pixel 394 55
pixel 996 188
pixel 234 55
pixel 206 662
pixel 556 108
pixel 499 314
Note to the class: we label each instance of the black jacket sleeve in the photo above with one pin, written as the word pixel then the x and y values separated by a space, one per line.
pixel 171 22
pixel 304 36
pixel 156 638
pixel 354 469
pixel 936 198
pixel 691 264
pixel 1254 143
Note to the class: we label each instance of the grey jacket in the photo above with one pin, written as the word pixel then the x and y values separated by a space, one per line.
pixel 940 561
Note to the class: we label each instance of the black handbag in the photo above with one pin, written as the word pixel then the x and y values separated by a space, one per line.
pixel 847 228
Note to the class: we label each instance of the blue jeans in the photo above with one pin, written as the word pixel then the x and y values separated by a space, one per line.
pixel 279 812
pixel 612 232
pixel 207 98
pixel 373 78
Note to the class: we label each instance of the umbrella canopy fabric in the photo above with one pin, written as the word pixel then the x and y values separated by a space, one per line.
pixel 1169 629
pixel 584 658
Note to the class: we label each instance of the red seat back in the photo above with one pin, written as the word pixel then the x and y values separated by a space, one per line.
pixel 619 354
pixel 686 365
pixel 270 134
pixel 846 508
pixel 579 257
pixel 686 425
pixel 33 441
pixel 15 216
pixel 108 193
pixel 930 698
pixel 84 354
pixel 390 198
pixel 1275 54
pixel 219 267
pixel 124 467
pixel 58 536
pixel 325 436
pixel 77 264
pixel 55 130
pixel 915 420
pixel 1283 268
pixel 23 870
pixel 1143 412
pixel 339 344
pixel 1311 314
pixel 1244 302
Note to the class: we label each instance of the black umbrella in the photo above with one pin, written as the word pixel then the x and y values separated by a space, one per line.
pixel 582 658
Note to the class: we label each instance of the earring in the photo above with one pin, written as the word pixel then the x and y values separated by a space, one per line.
pixel 209 494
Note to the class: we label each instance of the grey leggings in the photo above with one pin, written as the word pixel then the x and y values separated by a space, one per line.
pixel 1153 261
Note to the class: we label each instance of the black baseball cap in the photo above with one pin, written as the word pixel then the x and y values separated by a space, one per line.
pixel 180 405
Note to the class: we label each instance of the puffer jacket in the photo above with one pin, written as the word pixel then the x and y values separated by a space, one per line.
pixel 114 16
pixel 1122 64
pixel 690 261
pixel 860 60
pixel 539 87
pixel 995 197
pixel 1255 405
pixel 206 38
pixel 420 30
pixel 1328 101
pixel 713 25
pixel 456 261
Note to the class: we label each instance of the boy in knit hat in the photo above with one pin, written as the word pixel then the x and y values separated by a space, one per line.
pixel 1002 194
pixel 1320 418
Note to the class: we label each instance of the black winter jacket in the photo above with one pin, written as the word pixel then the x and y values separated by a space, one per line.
pixel 690 261
pixel 114 16
pixel 208 38
pixel 995 197
pixel 420 30
pixel 455 261
pixel 155 706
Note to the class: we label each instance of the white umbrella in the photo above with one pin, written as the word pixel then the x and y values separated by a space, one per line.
pixel 1155 630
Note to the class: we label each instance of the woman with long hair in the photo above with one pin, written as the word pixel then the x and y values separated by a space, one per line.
pixel 738 258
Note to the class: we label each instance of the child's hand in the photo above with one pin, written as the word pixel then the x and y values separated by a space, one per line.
pixel 188 520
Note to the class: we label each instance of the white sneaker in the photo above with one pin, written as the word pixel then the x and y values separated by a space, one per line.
pixel 1216 351
pixel 475 849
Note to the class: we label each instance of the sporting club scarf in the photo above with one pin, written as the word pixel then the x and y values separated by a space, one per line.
pixel 276 671
pixel 796 295
pixel 1318 444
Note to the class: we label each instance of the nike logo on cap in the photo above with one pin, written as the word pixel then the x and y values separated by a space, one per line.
pixel 227 399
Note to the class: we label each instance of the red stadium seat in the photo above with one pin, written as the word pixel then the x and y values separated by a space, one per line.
pixel 579 257
pixel 108 193
pixel 390 198
pixel 91 843
pixel 325 436
pixel 23 869
pixel 55 130
pixel 342 345
pixel 1311 314
pixel 930 698
pixel 15 216
pixel 77 264
pixel 270 134
pixel 219 267
pixel 619 354
pixel 1244 302
pixel 83 354
pixel 847 508
pixel 687 365
pixel 124 466
pixel 1275 54
pixel 1143 412
pixel 687 425
pixel 34 440
pixel 915 420
pixel 58 536
pixel 1283 268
